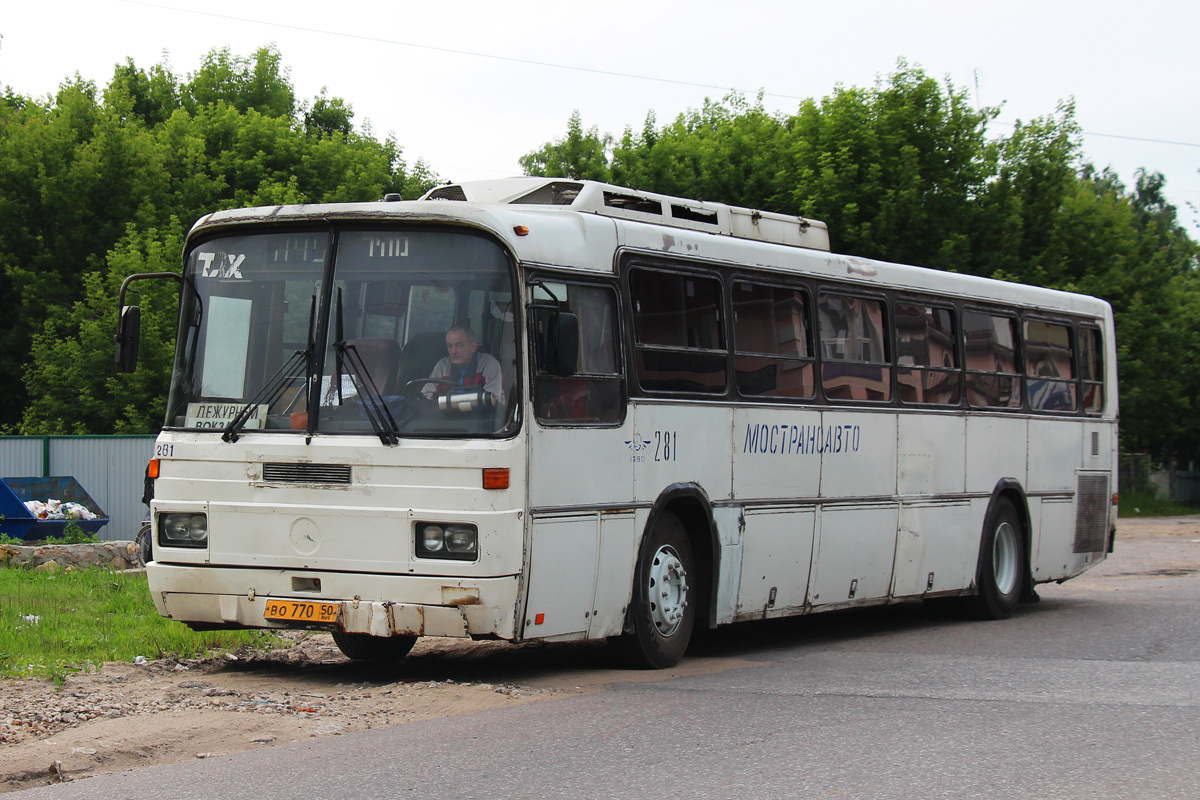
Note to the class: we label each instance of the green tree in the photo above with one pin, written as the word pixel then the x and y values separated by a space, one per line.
pixel 73 174
pixel 580 155
pixel 151 96
pixel 893 169
pixel 258 82
pixel 93 183
pixel 327 116
pixel 77 388
pixel 907 171
pixel 725 151
pixel 1034 172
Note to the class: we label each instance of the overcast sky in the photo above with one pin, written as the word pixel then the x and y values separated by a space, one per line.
pixel 471 86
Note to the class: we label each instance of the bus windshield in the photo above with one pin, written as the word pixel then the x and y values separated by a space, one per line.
pixel 392 333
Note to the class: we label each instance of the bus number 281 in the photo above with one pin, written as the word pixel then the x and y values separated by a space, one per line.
pixel 666 445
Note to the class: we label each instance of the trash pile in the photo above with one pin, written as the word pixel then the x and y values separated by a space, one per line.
pixel 57 509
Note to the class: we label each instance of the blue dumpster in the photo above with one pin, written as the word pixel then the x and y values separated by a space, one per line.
pixel 17 521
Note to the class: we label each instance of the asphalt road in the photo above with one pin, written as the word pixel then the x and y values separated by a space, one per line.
pixel 1092 693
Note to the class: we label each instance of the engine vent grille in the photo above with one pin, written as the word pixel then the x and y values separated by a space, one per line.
pixel 1091 513
pixel 336 474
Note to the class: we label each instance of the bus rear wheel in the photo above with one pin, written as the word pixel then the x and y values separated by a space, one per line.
pixel 662 614
pixel 364 647
pixel 1002 564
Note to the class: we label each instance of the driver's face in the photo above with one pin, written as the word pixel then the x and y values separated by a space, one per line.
pixel 460 348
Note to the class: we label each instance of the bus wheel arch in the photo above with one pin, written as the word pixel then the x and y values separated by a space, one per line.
pixel 1003 568
pixel 676 562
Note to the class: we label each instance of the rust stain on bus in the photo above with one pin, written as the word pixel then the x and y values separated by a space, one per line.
pixel 406 619
pixel 460 596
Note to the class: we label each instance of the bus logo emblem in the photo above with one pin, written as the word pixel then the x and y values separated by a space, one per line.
pixel 636 445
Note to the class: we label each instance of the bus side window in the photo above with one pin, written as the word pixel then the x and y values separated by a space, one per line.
pixel 1049 365
pixel 853 348
pixel 927 357
pixel 771 341
pixel 1091 369
pixel 679 335
pixel 595 393
pixel 991 360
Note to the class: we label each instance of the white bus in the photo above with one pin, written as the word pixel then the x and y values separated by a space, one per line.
pixel 695 415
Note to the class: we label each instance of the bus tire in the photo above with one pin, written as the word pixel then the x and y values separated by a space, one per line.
pixel 144 545
pixel 1002 563
pixel 662 614
pixel 365 647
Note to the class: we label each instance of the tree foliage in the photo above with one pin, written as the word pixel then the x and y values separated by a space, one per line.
pixel 579 155
pixel 908 171
pixel 100 182
pixel 73 366
pixel 96 184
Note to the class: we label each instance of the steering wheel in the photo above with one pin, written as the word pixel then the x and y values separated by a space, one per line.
pixel 412 391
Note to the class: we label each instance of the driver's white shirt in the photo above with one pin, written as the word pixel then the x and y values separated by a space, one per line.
pixel 486 366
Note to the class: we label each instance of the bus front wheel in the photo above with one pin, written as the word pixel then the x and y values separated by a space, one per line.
pixel 662 614
pixel 1002 563
pixel 364 647
pixel 144 545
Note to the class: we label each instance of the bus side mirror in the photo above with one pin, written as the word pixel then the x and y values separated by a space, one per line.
pixel 563 340
pixel 129 334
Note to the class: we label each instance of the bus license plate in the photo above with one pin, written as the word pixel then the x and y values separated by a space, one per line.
pixel 300 611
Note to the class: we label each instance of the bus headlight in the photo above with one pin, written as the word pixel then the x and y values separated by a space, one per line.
pixel 461 539
pixel 183 530
pixel 433 538
pixel 438 540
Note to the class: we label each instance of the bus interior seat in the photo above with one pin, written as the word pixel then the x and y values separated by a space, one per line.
pixel 421 354
pixel 381 357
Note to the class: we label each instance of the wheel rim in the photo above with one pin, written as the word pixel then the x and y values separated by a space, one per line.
pixel 667 591
pixel 1004 558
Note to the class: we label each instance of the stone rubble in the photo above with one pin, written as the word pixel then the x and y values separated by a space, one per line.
pixel 116 555
pixel 35 708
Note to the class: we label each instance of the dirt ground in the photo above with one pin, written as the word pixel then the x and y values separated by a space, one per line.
pixel 127 716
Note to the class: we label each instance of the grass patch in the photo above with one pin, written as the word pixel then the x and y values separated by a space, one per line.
pixel 71 534
pixel 1146 504
pixel 52 625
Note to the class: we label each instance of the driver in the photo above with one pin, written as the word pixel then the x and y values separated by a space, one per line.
pixel 466 364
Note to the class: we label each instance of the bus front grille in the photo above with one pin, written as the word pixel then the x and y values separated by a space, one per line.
pixel 338 474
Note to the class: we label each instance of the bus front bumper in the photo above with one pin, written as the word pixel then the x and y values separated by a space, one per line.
pixel 379 605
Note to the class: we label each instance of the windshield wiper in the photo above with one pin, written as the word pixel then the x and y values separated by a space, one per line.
pixel 269 393
pixel 364 385
pixel 374 406
pixel 273 388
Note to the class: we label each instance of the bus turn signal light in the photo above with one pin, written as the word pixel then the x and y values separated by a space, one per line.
pixel 152 471
pixel 495 478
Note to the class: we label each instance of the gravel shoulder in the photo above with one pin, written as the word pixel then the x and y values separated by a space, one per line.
pixel 126 716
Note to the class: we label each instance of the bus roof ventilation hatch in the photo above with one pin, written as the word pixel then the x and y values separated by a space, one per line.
pixel 555 193
pixel 594 197
pixel 452 192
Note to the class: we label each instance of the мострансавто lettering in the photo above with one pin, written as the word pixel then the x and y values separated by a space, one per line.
pixel 801 439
